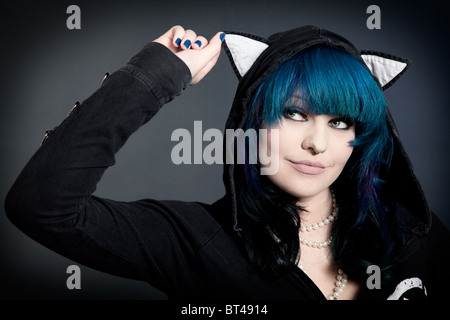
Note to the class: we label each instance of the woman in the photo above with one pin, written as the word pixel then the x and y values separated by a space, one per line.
pixel 343 200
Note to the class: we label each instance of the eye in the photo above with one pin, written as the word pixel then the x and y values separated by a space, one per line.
pixel 294 115
pixel 340 123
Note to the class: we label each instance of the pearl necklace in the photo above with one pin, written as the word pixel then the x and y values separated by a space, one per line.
pixel 321 224
pixel 315 244
pixel 341 278
pixel 341 282
pixel 327 220
pixel 340 285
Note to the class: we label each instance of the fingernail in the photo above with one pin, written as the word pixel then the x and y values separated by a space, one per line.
pixel 199 43
pixel 222 36
pixel 187 43
pixel 178 41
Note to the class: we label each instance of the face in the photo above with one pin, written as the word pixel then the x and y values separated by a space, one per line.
pixel 313 150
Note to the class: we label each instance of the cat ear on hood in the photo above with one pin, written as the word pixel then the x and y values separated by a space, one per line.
pixel 243 49
pixel 384 67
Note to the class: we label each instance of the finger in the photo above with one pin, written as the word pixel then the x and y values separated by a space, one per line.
pixel 169 38
pixel 188 39
pixel 199 43
pixel 177 34
pixel 211 53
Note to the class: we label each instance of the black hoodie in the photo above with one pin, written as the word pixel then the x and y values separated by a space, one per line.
pixel 191 249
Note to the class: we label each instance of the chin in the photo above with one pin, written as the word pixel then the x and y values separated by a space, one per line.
pixel 304 191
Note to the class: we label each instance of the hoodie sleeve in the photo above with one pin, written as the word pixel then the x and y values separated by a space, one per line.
pixel 52 201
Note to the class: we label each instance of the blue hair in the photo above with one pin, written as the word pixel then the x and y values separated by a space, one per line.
pixel 325 80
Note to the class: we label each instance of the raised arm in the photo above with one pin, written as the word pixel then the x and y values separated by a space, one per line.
pixel 52 199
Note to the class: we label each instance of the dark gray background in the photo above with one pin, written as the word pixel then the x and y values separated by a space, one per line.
pixel 45 68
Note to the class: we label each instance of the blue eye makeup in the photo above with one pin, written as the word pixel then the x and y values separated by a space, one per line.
pixel 341 123
pixel 297 114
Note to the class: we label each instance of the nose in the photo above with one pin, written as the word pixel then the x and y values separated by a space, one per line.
pixel 316 139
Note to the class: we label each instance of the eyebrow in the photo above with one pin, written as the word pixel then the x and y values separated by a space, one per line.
pixel 296 101
pixel 295 96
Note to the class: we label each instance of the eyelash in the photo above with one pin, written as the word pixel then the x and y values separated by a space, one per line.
pixel 348 122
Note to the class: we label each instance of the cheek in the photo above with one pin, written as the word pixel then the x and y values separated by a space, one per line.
pixel 345 154
pixel 342 150
pixel 286 140
pixel 272 141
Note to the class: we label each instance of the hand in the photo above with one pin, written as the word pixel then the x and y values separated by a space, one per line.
pixel 196 52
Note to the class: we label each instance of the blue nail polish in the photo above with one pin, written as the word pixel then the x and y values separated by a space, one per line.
pixel 222 36
pixel 187 43
pixel 199 43
pixel 178 41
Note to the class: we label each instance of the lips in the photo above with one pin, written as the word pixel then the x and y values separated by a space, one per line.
pixel 308 167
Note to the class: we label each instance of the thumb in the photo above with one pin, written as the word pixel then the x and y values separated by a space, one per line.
pixel 215 45
pixel 201 61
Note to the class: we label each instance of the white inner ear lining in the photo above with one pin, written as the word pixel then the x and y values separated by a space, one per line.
pixel 244 51
pixel 383 68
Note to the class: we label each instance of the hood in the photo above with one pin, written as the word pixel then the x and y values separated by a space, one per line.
pixel 253 58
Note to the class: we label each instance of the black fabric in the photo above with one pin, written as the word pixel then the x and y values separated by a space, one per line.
pixel 186 249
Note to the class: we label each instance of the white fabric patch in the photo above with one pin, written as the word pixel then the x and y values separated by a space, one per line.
pixel 383 68
pixel 244 51
pixel 406 285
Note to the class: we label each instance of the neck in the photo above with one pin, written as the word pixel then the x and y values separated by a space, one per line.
pixel 317 207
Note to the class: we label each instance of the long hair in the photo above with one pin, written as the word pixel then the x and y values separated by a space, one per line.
pixel 328 81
